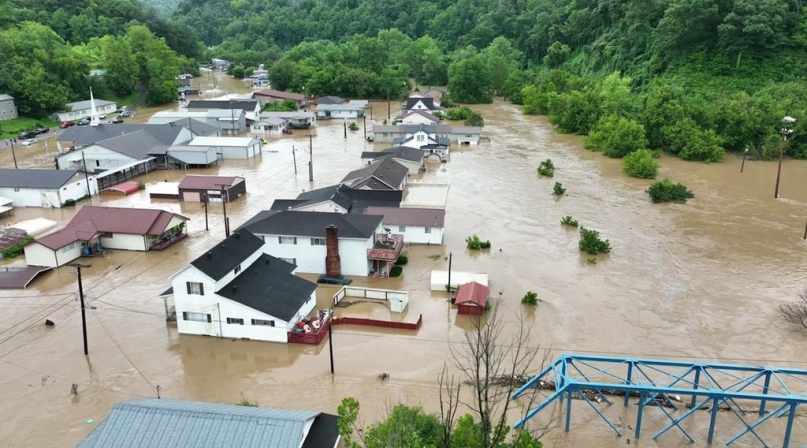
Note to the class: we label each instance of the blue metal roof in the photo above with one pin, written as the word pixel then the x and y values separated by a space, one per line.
pixel 163 423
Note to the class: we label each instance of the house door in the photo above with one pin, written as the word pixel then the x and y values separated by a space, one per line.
pixel 191 196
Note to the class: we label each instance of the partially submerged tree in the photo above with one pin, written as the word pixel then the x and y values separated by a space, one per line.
pixel 795 312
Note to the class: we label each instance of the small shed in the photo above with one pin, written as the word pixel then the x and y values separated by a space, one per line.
pixel 472 299
pixel 192 156
pixel 215 188
pixel 163 190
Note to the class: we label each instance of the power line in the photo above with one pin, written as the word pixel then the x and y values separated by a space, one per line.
pixel 106 330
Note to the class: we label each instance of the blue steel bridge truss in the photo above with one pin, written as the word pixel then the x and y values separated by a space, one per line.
pixel 661 384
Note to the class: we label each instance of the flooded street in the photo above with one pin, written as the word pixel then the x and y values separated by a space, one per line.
pixel 699 281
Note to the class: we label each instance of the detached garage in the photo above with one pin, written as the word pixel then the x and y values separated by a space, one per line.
pixel 472 298
pixel 230 147
pixel 215 188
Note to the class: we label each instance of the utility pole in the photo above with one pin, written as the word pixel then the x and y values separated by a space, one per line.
pixel 13 154
pixel 805 231
pixel 206 200
pixel 389 114
pixel 742 167
pixel 371 110
pixel 448 286
pixel 344 125
pixel 86 178
pixel 364 125
pixel 294 155
pixel 224 198
pixel 330 338
pixel 310 158
pixel 78 267
pixel 785 132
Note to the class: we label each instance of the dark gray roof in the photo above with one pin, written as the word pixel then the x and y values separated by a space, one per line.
pixel 323 433
pixel 269 286
pixel 384 175
pixel 352 200
pixel 247 105
pixel 138 144
pixel 287 204
pixel 312 224
pixel 227 254
pixel 428 102
pixel 164 423
pixel 438 140
pixel 22 178
pixel 199 128
pixel 329 100
pixel 166 133
pixel 398 152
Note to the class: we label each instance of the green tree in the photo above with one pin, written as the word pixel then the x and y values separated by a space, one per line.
pixel 469 80
pixel 239 72
pixel 617 137
pixel 119 62
pixel 557 54
pixel 640 164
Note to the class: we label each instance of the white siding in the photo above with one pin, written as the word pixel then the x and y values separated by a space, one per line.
pixel 471 139
pixel 194 157
pixel 221 308
pixel 238 152
pixel 23 197
pixel 418 235
pixel 124 241
pixel 97 157
pixel 81 113
pixel 311 259
pixel 34 197
pixel 413 167
pixel 39 255
pixel 417 119
pixel 326 206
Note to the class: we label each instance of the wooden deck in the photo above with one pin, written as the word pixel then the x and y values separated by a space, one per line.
pixel 167 244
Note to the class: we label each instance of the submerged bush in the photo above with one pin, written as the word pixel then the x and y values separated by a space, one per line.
pixel 474 243
pixel 640 164
pixel 559 190
pixel 530 298
pixel 546 168
pixel 569 221
pixel 396 271
pixel 591 243
pixel 666 191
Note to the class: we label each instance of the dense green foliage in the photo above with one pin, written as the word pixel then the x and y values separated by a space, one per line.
pixel 590 242
pixel 569 221
pixel 558 190
pixel 474 243
pixel 465 114
pixel 49 49
pixel 530 298
pixel 666 191
pixel 546 168
pixel 282 106
pixel 16 250
pixel 412 427
pixel 640 164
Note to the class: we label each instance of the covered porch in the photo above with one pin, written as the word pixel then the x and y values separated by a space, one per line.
pixel 171 236
pixel 385 253
pixel 125 172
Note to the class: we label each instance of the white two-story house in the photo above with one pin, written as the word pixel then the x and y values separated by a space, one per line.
pixel 237 290
pixel 299 237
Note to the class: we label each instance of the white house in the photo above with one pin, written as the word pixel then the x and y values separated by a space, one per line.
pixel 417 225
pixel 83 109
pixel 45 188
pixel 8 109
pixel 268 126
pixel 178 131
pixel 137 147
pixel 295 120
pixel 416 117
pixel 299 237
pixel 339 199
pixel 236 290
pixel 425 103
pixel 229 121
pixel 93 229
pixel 411 158
pixel 386 174
pixel 230 147
pixel 345 111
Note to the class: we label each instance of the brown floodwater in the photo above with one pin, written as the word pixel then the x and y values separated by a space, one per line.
pixel 699 281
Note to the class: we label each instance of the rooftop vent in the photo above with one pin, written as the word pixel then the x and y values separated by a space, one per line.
pixel 268 260
pixel 235 288
pixel 210 255
pixel 238 235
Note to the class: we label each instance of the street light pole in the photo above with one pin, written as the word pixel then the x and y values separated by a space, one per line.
pixel 785 132
pixel 13 154
pixel 742 167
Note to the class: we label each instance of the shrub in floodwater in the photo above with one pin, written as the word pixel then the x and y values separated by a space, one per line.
pixel 396 271
pixel 530 298
pixel 569 221
pixel 474 243
pixel 353 127
pixel 559 190
pixel 640 164
pixel 666 191
pixel 591 243
pixel 402 260
pixel 546 168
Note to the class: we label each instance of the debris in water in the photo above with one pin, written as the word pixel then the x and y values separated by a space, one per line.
pixel 90 421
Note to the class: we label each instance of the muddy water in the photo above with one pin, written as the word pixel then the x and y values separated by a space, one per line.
pixel 696 281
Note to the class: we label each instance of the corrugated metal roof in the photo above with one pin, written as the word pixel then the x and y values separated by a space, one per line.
pixel 223 141
pixel 82 105
pixel 278 94
pixel 19 278
pixel 426 217
pixel 207 182
pixel 46 179
pixel 472 294
pixel 164 423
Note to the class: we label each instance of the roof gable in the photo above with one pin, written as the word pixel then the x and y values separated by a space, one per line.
pixel 278 94
pixel 25 178
pixel 166 133
pixel 387 172
pixel 427 102
pixel 133 221
pixel 472 294
pixel 222 258
pixel 312 224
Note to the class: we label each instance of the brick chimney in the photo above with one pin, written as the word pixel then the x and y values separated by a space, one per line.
pixel 333 264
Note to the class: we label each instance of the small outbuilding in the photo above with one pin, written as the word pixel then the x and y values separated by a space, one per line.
pixel 230 147
pixel 214 188
pixel 472 298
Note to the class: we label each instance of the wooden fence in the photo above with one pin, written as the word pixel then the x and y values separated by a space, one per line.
pixel 379 323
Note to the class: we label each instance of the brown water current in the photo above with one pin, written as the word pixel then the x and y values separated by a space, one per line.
pixel 699 281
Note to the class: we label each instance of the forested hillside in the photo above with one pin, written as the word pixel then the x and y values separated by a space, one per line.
pixel 722 72
pixel 166 7
pixel 49 48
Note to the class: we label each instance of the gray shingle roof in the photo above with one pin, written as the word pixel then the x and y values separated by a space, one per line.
pixel 312 224
pixel 348 198
pixel 270 287
pixel 398 152
pixel 245 105
pixel 137 145
pixel 228 254
pixel 164 423
pixel 47 179
pixel 330 99
pixel 82 105
pixel 165 133
pixel 385 175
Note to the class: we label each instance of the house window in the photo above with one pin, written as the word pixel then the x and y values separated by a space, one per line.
pixel 97 163
pixel 420 137
pixel 68 248
pixel 287 240
pixel 290 260
pixel 195 288
pixel 107 235
pixel 237 269
pixel 402 228
pixel 317 241
pixel 235 321
pixel 428 230
pixel 196 317
pixel 266 323
pixel 16 189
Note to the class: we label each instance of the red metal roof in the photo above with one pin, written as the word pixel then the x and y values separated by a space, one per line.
pixel 81 231
pixel 279 94
pixel 472 294
pixel 207 182
pixel 126 188
pixel 19 278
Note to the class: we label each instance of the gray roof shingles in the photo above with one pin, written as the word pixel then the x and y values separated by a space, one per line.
pixel 166 133
pixel 44 179
pixel 228 254
pixel 384 175
pixel 164 423
pixel 312 224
